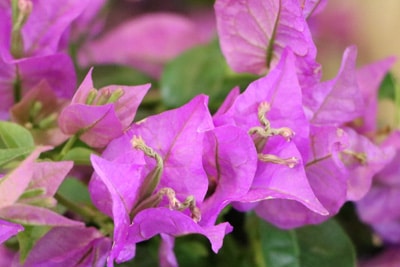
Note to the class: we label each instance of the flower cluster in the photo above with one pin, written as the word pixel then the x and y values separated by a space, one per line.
pixel 288 146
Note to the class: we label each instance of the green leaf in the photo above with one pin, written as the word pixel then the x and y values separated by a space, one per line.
pixel 28 238
pixel 325 245
pixel 280 248
pixel 387 88
pixel 72 188
pixel 80 155
pixel 317 245
pixel 198 70
pixel 104 75
pixel 10 154
pixel 35 192
pixel 192 250
pixel 146 254
pixel 13 135
pixel 15 142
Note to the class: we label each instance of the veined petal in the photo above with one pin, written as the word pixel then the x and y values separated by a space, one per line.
pixel 153 221
pixel 8 229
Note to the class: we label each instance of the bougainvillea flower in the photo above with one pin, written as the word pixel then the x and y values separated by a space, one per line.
pixel 101 115
pixel 174 223
pixel 69 246
pixel 19 76
pixel 253 35
pixel 162 199
pixel 169 133
pixel 38 112
pixel 272 106
pixel 363 160
pixel 46 22
pixel 339 100
pixel 230 161
pixel 145 43
pixel 379 207
pixel 369 78
pixel 326 175
pixel 114 190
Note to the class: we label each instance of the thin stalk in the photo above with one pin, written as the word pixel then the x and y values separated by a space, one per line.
pixel 67 147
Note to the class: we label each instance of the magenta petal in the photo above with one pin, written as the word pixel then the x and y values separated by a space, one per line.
pixel 101 123
pixel 380 206
pixel 123 193
pixel 125 107
pixel 369 79
pixel 57 69
pixel 32 215
pixel 47 23
pixel 360 175
pixel 153 221
pixel 218 117
pixel 339 100
pixel 128 104
pixel 253 34
pixel 83 90
pixel 280 89
pixel 166 252
pixel 311 7
pixel 280 181
pixel 6 256
pixel 137 42
pixel 8 229
pixel 230 160
pixel 177 135
pixel 326 176
pixel 70 246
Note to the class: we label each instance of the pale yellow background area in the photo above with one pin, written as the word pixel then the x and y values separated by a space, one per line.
pixel 375 28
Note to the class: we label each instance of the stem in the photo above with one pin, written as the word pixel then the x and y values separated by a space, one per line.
pixel 86 214
pixel 67 147
pixel 252 228
pixel 17 86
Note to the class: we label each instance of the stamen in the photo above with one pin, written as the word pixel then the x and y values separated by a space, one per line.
pixel 267 131
pixel 153 178
pixel 290 162
pixel 103 97
pixel 20 13
pixel 115 96
pixel 35 110
pixel 360 157
pixel 263 108
pixel 173 203
pixel 286 132
pixel 91 96
pixel 138 143
pixel 48 121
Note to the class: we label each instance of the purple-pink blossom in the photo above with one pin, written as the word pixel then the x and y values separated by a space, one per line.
pixel 99 116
